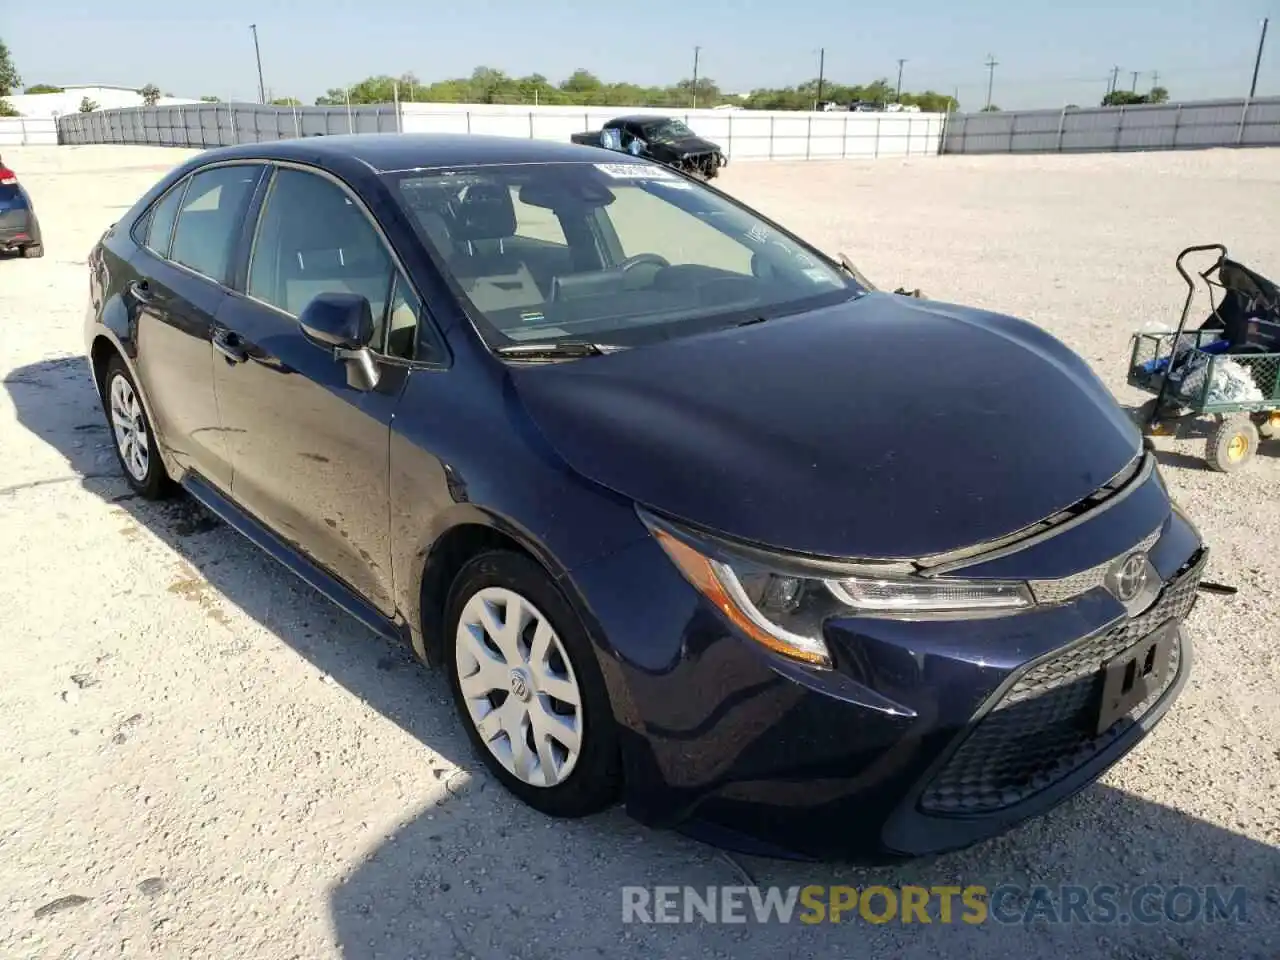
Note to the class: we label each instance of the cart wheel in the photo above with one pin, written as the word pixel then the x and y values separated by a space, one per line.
pixel 1268 424
pixel 1143 416
pixel 1232 444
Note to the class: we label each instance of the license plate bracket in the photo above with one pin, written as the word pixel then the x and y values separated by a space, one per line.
pixel 1129 677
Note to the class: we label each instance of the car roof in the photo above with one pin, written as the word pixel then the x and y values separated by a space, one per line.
pixel 641 117
pixel 388 152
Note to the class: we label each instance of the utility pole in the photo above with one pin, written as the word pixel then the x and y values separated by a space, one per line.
pixel 1115 76
pixel 822 70
pixel 991 75
pixel 1155 79
pixel 1253 87
pixel 1134 88
pixel 262 93
pixel 900 63
pixel 696 51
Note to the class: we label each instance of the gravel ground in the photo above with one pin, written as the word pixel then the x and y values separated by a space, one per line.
pixel 202 758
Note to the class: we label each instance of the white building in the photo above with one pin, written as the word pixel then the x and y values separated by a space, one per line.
pixel 106 96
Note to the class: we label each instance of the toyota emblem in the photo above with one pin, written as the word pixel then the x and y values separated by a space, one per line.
pixel 1131 577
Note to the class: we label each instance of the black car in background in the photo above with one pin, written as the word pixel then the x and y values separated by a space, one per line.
pixel 19 226
pixel 663 139
pixel 688 514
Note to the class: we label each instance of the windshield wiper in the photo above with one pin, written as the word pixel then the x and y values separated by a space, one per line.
pixel 556 349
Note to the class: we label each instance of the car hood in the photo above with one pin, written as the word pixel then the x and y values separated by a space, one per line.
pixel 684 146
pixel 883 427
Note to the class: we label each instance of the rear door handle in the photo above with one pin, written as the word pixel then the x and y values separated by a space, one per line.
pixel 227 343
pixel 141 291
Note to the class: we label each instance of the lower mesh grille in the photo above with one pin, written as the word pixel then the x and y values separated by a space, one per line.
pixel 1043 726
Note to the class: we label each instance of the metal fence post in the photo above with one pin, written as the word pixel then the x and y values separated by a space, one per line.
pixel 530 124
pixel 468 121
pixel 1062 122
pixel 1013 130
pixel 1177 122
pixel 911 125
pixel 1119 130
pixel 844 138
pixel 1244 112
pixel 729 145
pixel 808 137
pixel 877 147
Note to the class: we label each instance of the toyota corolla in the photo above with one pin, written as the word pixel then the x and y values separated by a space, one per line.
pixel 692 516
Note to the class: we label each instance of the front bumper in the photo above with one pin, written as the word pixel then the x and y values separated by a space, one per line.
pixel 927 736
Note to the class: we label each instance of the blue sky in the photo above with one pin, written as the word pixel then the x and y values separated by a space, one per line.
pixel 1049 53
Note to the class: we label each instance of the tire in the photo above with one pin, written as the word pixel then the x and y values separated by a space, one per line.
pixel 1232 444
pixel 33 250
pixel 131 433
pixel 1268 425
pixel 524 697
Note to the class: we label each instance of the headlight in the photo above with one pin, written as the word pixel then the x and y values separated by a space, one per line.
pixel 783 602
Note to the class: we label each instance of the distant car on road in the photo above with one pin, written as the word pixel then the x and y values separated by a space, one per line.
pixel 689 514
pixel 19 226
pixel 664 139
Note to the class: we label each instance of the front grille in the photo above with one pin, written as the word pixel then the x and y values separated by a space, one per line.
pixel 1042 728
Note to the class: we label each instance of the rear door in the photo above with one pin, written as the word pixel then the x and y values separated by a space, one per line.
pixel 311 451
pixel 182 268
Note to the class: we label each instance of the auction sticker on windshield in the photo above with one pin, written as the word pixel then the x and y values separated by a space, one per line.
pixel 635 171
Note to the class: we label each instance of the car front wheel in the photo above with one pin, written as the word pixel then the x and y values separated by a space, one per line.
pixel 135 442
pixel 528 688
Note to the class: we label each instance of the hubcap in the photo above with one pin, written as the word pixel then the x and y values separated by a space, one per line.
pixel 519 687
pixel 1236 449
pixel 130 428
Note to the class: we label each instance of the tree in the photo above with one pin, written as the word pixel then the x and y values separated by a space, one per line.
pixel 990 108
pixel 286 102
pixel 150 94
pixel 9 78
pixel 7 109
pixel 1127 98
pixel 43 88
pixel 87 105
pixel 208 99
pixel 1158 95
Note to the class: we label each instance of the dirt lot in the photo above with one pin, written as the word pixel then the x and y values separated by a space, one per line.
pixel 209 760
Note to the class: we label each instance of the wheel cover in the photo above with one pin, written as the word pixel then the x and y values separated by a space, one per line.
pixel 130 428
pixel 1238 446
pixel 518 686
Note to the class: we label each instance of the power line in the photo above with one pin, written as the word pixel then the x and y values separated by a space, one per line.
pixel 991 64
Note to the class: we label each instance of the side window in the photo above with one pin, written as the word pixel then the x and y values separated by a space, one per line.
pixel 646 223
pixel 313 238
pixel 158 230
pixel 402 320
pixel 536 223
pixel 210 219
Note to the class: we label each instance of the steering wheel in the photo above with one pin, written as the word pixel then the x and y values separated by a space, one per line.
pixel 640 258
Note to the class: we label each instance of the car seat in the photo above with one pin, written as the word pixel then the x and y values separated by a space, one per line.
pixel 482 218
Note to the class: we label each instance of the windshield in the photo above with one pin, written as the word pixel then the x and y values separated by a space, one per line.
pixel 618 253
pixel 664 131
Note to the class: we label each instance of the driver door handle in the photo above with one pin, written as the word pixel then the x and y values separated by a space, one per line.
pixel 227 343
pixel 141 291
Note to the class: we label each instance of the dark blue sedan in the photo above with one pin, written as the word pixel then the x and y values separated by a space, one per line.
pixel 690 514
pixel 19 226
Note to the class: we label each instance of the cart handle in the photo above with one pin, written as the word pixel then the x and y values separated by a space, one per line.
pixel 1222 253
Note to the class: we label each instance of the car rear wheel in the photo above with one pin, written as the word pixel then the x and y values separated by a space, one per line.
pixel 135 442
pixel 528 688
pixel 33 250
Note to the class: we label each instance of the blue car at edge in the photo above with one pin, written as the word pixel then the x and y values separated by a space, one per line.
pixel 692 516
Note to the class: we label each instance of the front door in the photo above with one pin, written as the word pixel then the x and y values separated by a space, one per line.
pixel 311 452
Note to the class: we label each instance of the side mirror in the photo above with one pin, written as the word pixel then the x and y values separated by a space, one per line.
pixel 344 323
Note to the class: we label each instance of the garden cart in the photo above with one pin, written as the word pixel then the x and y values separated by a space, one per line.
pixel 1228 368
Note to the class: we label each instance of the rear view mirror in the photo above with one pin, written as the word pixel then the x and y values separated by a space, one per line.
pixel 338 320
pixel 344 322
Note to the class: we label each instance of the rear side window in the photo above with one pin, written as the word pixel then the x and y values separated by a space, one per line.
pixel 210 218
pixel 157 229
pixel 313 239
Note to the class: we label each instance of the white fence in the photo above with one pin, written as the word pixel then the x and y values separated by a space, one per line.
pixel 742 134
pixel 1164 126
pixel 21 131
